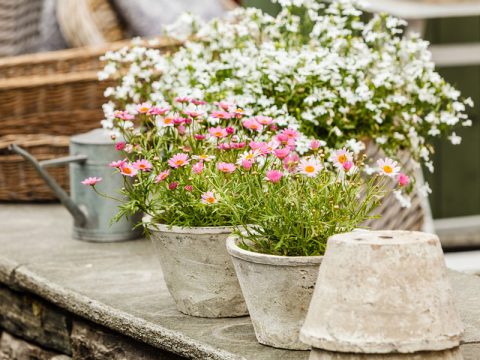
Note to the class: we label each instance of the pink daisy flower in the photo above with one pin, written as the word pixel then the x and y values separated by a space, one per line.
pixel 347 166
pixel 142 165
pixel 274 176
pixel 198 168
pixel 221 115
pixel 254 145
pixel 178 120
pixel 199 137
pixel 290 133
pixel 263 120
pixel 388 167
pixel 209 198
pixel 252 124
pixel 173 185
pixel 188 188
pixel 193 113
pixel 226 167
pixel 162 176
pixel 225 105
pixel 124 115
pixel 403 179
pixel 218 132
pixel 117 164
pixel 339 157
pixel 281 153
pixel 290 162
pixel 247 164
pixel 182 99
pixel 309 167
pixel 128 170
pixel 144 108
pixel 155 110
pixel 269 147
pixel 178 160
pixel 91 181
pixel 315 144
pixel 181 130
pixel 198 102
pixel 119 146
pixel 224 146
pixel 239 145
pixel 166 121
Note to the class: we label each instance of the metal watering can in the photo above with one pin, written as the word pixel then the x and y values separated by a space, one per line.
pixel 90 154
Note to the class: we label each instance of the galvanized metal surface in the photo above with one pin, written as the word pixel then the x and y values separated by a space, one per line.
pixel 90 155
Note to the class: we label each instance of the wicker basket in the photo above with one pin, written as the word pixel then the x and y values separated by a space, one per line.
pixel 18 179
pixel 55 93
pixel 418 216
pixel 19 26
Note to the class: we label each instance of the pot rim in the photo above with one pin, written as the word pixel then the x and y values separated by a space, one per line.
pixel 235 251
pixel 185 230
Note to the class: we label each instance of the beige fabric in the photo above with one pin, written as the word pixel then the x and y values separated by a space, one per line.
pixel 88 22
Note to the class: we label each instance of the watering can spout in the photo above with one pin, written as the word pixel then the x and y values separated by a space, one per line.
pixel 79 216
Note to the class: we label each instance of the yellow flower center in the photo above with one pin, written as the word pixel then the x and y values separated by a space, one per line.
pixel 342 158
pixel 218 134
pixel 179 162
pixel 203 157
pixel 387 169
pixel 249 157
pixel 210 200
pixel 127 170
pixel 167 121
pixel 309 168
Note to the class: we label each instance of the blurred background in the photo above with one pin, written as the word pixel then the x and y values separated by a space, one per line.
pixel 42 29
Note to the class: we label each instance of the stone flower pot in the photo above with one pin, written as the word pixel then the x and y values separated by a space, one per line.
pixel 383 292
pixel 198 270
pixel 277 290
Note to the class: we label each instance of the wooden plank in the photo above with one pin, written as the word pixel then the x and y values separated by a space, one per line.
pixel 408 9
pixel 456 55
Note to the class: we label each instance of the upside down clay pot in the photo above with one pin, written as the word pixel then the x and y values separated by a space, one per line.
pixel 383 292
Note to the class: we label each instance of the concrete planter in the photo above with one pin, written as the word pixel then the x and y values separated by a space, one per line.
pixel 198 270
pixel 382 292
pixel 277 291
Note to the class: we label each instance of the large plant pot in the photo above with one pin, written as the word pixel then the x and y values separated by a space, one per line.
pixel 277 290
pixel 383 292
pixel 198 270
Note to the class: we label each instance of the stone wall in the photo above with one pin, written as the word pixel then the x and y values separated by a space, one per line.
pixel 32 329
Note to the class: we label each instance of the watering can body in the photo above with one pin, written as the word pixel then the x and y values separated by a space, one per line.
pixel 90 154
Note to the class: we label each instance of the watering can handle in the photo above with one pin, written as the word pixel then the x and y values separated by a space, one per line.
pixel 78 214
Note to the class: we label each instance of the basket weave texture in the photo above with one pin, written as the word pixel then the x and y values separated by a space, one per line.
pixel 18 180
pixel 392 215
pixel 47 95
pixel 19 26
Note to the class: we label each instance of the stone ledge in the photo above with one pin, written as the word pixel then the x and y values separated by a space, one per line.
pixel 120 286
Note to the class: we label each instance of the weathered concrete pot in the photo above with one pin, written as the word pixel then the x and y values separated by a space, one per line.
pixel 382 292
pixel 451 354
pixel 277 290
pixel 198 270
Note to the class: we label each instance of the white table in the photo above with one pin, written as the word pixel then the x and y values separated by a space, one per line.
pixel 417 13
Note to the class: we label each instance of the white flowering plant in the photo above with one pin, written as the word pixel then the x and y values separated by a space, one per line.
pixel 194 164
pixel 316 67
